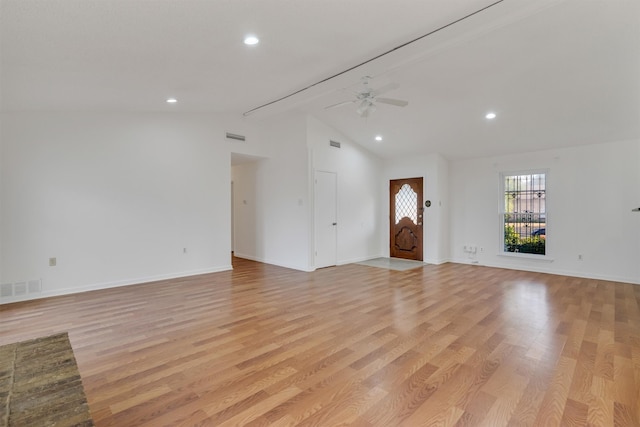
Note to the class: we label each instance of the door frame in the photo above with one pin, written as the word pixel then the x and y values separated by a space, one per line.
pixel 319 229
pixel 420 217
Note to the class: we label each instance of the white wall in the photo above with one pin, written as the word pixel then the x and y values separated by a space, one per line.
pixel 272 195
pixel 1 202
pixel 434 170
pixel 591 191
pixel 358 177
pixel 114 197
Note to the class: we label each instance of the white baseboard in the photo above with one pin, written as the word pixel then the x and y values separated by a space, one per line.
pixel 570 273
pixel 437 261
pixel 114 284
pixel 267 261
pixel 358 259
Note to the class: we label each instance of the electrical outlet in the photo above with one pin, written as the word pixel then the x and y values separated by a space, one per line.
pixel 53 262
pixel 184 250
pixel 579 257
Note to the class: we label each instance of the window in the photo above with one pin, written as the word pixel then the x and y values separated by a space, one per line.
pixel 524 215
pixel 406 202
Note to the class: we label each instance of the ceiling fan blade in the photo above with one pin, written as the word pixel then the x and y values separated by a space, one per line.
pixel 385 89
pixel 339 104
pixel 392 101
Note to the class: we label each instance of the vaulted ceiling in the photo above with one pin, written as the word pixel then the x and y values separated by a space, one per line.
pixel 556 72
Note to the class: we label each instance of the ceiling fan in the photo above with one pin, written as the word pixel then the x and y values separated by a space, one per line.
pixel 367 97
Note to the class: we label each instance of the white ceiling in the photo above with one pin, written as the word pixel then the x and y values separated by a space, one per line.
pixel 557 72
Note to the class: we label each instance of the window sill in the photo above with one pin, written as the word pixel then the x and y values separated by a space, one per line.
pixel 544 258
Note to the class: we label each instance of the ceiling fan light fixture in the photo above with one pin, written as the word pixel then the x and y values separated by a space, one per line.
pixel 363 107
pixel 366 108
pixel 367 98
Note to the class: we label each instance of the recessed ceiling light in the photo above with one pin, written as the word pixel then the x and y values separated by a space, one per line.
pixel 251 40
pixel 378 138
pixel 491 116
pixel 171 100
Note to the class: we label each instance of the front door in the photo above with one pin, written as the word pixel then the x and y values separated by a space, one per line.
pixel 405 217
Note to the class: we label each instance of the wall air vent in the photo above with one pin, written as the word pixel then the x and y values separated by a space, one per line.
pixel 34 286
pixel 236 137
pixel 334 144
pixel 6 290
pixel 18 289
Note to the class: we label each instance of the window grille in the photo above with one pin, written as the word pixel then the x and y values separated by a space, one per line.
pixel 406 204
pixel 525 214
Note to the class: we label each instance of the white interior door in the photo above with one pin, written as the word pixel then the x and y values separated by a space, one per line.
pixel 326 224
pixel 233 236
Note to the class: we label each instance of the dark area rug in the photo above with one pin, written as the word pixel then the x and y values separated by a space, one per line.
pixel 40 385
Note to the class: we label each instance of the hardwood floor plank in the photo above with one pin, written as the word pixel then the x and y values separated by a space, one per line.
pixel 553 404
pixel 575 414
pixel 351 345
pixel 580 390
pixel 355 408
pixel 625 389
pixel 604 357
pixel 401 401
pixel 540 377
pixel 477 409
pixel 601 411
pixel 507 386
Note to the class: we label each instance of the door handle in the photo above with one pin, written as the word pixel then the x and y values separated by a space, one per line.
pixel 335 223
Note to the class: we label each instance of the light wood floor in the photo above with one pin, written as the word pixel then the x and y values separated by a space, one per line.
pixel 352 345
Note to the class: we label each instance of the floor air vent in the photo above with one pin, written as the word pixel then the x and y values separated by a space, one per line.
pixel 334 144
